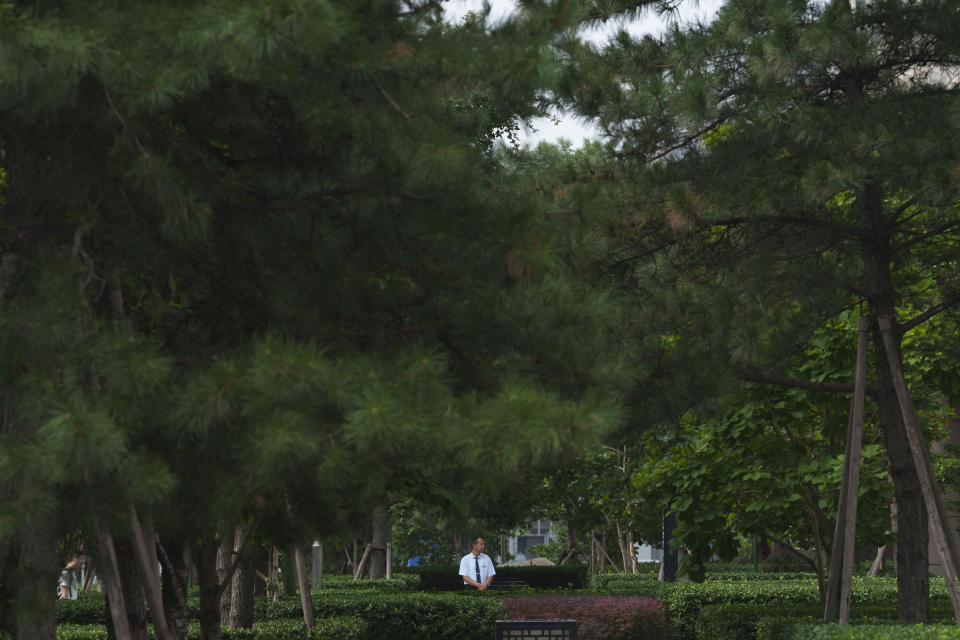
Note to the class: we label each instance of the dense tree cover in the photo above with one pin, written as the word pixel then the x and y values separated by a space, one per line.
pixel 264 272
pixel 770 169
pixel 259 276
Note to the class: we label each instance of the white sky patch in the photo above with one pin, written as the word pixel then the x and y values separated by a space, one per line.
pixel 566 126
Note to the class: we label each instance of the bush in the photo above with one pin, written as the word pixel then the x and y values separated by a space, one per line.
pixel 325 629
pixel 597 617
pixel 738 621
pixel 410 616
pixel 444 578
pixel 832 631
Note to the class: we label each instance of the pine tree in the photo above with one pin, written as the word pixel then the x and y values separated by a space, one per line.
pixel 253 254
pixel 789 160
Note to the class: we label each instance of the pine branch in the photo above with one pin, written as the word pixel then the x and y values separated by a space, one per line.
pixel 920 238
pixel 796 383
pixel 929 313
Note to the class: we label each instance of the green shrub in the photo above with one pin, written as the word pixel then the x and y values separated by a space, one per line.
pixel 410 616
pixel 445 578
pixel 833 631
pixel 344 628
pixel 739 621
pixel 89 608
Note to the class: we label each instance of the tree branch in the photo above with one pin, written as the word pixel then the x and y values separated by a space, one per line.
pixel 796 383
pixel 929 313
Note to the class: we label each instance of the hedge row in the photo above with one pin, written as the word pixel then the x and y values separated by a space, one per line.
pixel 441 578
pixel 736 621
pixel 393 615
pixel 710 611
pixel 800 631
pixel 345 628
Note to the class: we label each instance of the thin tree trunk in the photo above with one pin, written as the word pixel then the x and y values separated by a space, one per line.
pixel 243 583
pixel 132 587
pixel 624 554
pixel 206 554
pixel 116 607
pixel 176 574
pixel 224 562
pixel 379 538
pixel 145 551
pixel 306 602
pixel 290 578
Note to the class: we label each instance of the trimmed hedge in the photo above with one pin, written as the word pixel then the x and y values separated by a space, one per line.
pixel 740 621
pixel 344 628
pixel 685 601
pixel 833 631
pixel 444 578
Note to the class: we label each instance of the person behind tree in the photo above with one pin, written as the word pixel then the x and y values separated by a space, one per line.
pixel 476 568
pixel 70 578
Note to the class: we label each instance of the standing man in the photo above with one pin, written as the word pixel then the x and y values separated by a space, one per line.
pixel 476 568
pixel 70 578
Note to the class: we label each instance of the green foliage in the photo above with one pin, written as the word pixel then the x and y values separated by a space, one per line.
pixel 786 630
pixel 730 621
pixel 325 629
pixel 438 578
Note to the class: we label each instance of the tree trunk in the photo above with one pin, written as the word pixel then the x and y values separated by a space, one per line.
pixel 913 588
pixel 379 538
pixel 306 601
pixel 624 551
pixel 176 575
pixel 243 582
pixel 207 554
pixel 290 572
pixel 37 579
pixel 132 588
pixel 145 554
pixel 117 625
pixel 224 562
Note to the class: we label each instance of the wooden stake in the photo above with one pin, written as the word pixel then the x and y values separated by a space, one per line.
pixel 841 561
pixel 363 562
pixel 942 533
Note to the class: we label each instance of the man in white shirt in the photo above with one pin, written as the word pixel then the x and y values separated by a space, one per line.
pixel 476 568
pixel 69 585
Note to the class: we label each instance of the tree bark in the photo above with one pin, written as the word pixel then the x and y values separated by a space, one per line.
pixel 176 575
pixel 117 625
pixel 36 579
pixel 379 538
pixel 290 572
pixel 145 553
pixel 132 588
pixel 306 602
pixel 913 562
pixel 243 582
pixel 206 554
pixel 224 562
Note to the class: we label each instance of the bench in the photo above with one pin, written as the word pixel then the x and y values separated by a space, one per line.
pixel 539 629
